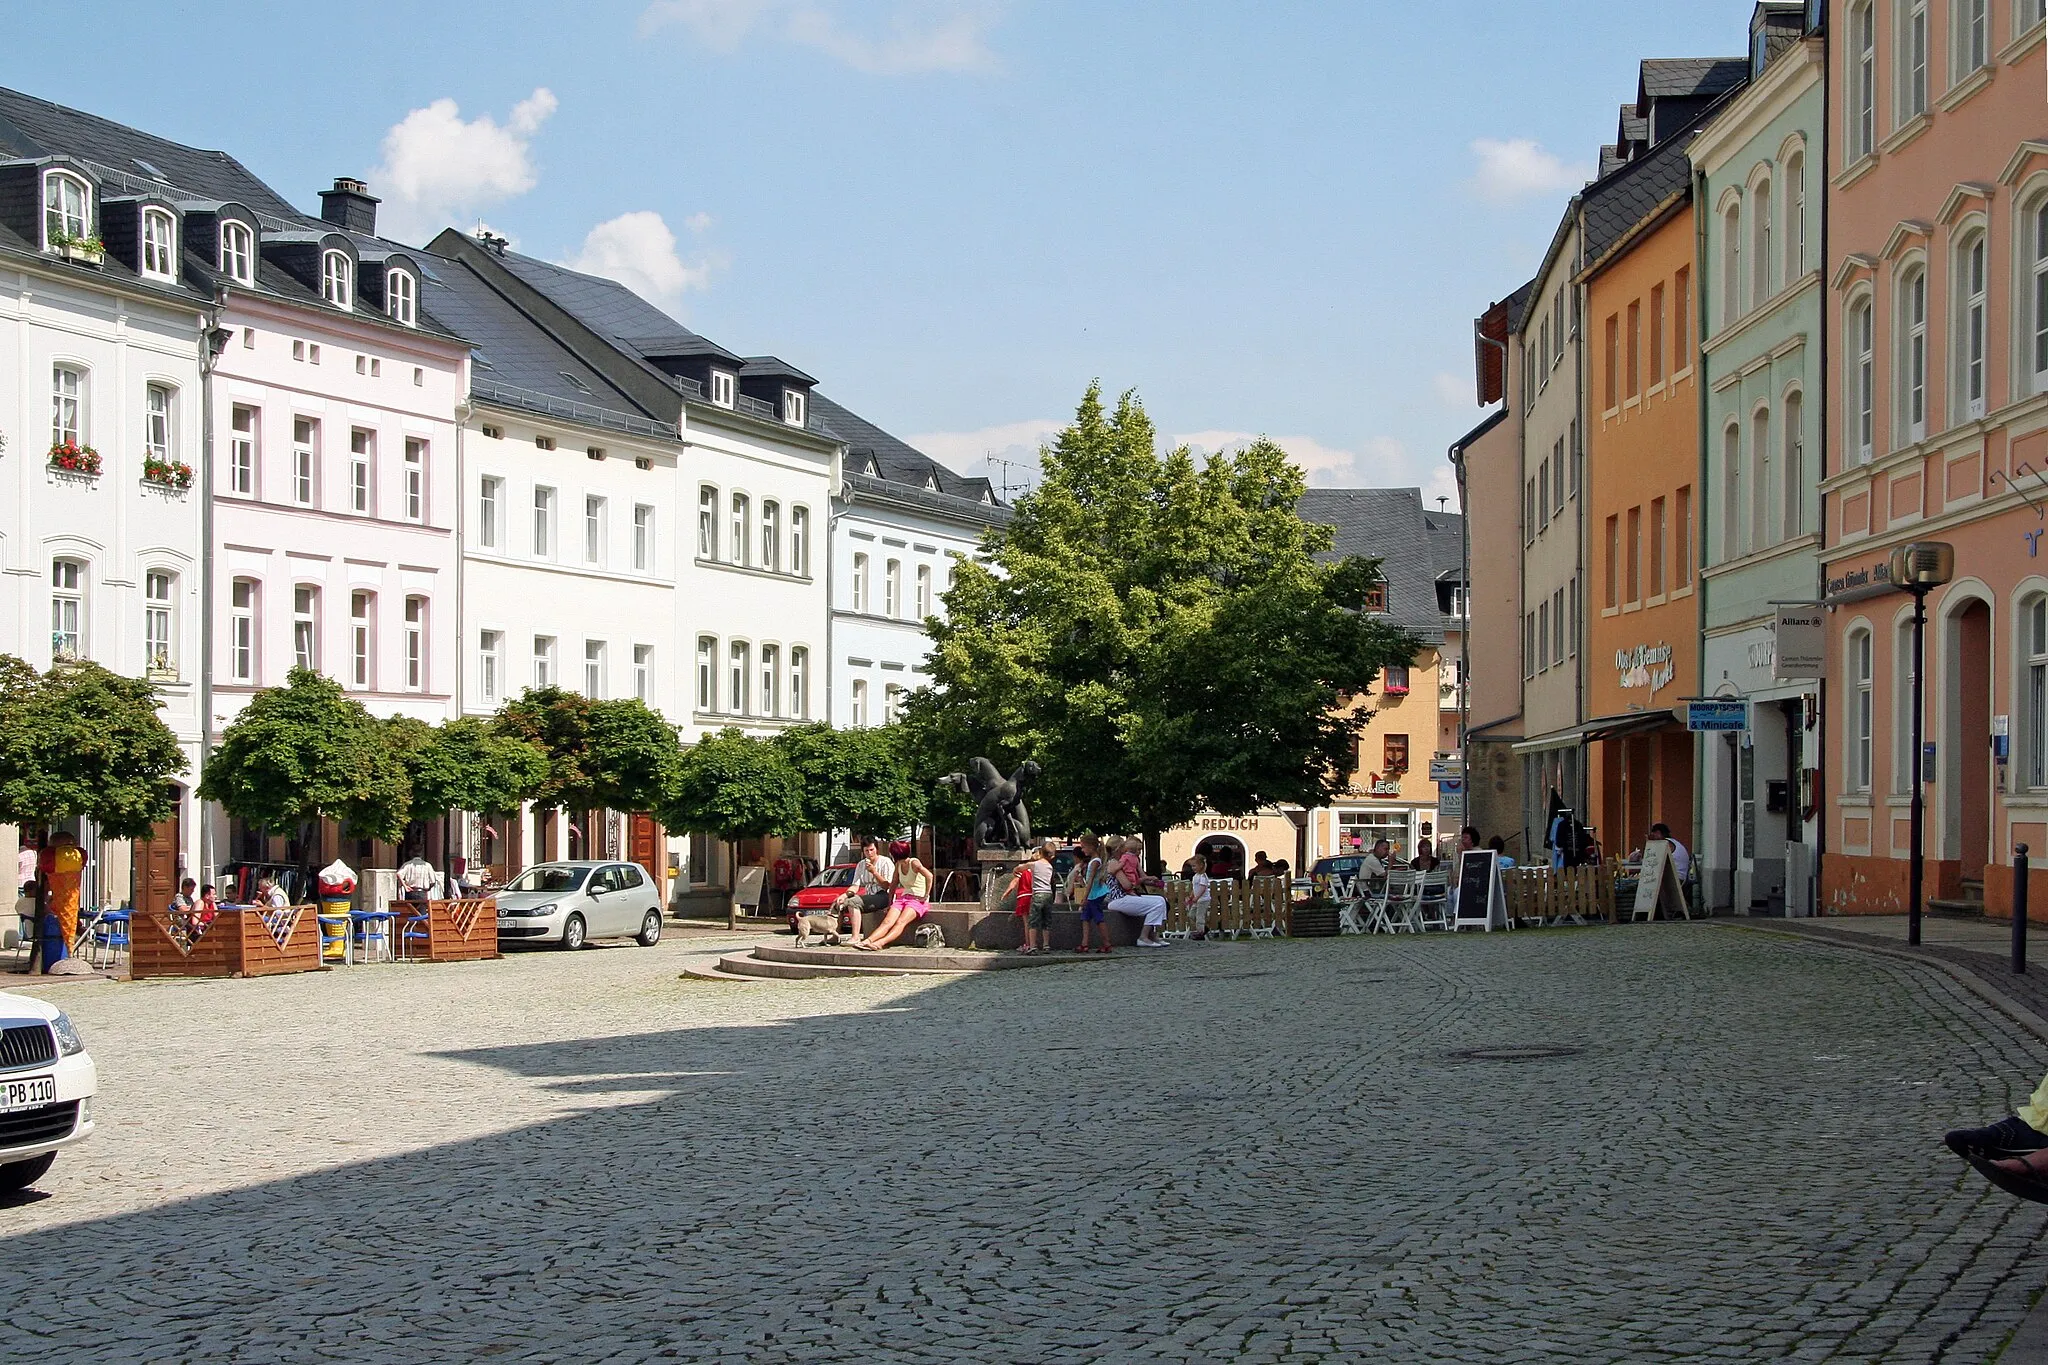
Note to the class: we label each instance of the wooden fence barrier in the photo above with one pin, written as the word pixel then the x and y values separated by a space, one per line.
pixel 248 942
pixel 1543 895
pixel 452 931
pixel 1261 908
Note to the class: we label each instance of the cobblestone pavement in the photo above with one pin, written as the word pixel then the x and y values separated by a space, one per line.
pixel 1251 1152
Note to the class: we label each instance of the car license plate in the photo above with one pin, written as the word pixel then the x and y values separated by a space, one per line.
pixel 27 1092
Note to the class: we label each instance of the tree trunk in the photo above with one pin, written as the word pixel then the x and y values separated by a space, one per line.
pixel 732 883
pixel 1155 857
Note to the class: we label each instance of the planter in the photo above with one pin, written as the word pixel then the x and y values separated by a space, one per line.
pixel 238 943
pixel 78 461
pixel 449 931
pixel 173 476
pixel 84 255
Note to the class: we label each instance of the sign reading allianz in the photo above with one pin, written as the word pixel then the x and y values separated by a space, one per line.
pixel 1644 666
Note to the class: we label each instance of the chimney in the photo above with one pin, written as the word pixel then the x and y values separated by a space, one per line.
pixel 350 206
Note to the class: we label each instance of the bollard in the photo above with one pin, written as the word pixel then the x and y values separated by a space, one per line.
pixel 2019 908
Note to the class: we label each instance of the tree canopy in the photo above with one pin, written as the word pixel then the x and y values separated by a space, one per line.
pixel 855 780
pixel 307 750
pixel 601 755
pixel 83 741
pixel 1159 633
pixel 466 764
pixel 733 786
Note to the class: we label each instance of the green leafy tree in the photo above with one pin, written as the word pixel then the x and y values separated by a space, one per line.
pixel 601 755
pixel 1162 635
pixel 734 786
pixel 308 750
pixel 857 780
pixel 83 741
pixel 466 764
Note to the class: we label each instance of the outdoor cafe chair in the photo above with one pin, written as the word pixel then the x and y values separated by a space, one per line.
pixel 1433 901
pixel 373 930
pixel 1395 908
pixel 109 937
pixel 413 935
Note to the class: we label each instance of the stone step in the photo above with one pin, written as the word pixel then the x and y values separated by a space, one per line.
pixel 1958 909
pixel 905 960
pixel 751 965
pixel 708 971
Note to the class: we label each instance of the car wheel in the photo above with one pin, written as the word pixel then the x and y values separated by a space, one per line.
pixel 19 1175
pixel 572 933
pixel 650 930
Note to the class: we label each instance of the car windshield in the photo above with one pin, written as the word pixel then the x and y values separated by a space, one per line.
pixel 550 880
pixel 835 876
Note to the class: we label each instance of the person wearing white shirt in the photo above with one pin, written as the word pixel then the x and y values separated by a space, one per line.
pixel 874 884
pixel 1681 859
pixel 416 879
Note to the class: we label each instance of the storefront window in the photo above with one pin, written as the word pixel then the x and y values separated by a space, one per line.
pixel 1359 830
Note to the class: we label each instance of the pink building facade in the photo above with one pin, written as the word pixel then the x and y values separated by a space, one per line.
pixel 1937 331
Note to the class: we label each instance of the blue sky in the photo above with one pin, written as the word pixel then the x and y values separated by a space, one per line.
pixel 1268 218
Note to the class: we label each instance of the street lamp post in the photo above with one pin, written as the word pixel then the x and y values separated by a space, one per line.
pixel 1919 568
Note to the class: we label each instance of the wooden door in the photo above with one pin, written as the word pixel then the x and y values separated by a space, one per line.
pixel 644 846
pixel 154 866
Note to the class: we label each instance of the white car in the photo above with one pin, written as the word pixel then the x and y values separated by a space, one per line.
pixel 570 903
pixel 47 1082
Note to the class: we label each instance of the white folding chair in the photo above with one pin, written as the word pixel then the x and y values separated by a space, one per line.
pixel 1433 901
pixel 1395 908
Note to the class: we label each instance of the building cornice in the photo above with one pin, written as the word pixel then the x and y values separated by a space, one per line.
pixel 1784 81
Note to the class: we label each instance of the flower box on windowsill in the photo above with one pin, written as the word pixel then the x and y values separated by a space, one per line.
pixel 68 459
pixel 172 476
pixel 84 250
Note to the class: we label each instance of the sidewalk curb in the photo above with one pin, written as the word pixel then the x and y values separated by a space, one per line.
pixel 1969 980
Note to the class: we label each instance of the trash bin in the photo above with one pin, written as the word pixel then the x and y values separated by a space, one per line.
pixel 337 898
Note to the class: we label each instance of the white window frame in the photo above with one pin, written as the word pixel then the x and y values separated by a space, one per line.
pixel 1969 39
pixel 859 702
pixel 543 661
pixel 707 522
pixel 1760 482
pixel 793 407
pixel 742 529
pixel 159 244
pixel 1858 738
pixel 244 602
pixel 2027 16
pixel 1795 215
pixel 68 389
pixel 1760 202
pixel 1732 504
pixel 2033 693
pixel 306 626
pixel 1862 117
pixel 65 219
pixel 337 279
pixel 859 583
pixel 237 251
pixel 800 541
pixel 643 673
pixel 1792 475
pixel 771 535
pixel 401 297
pixel 305 461
pixel 594 669
pixel 70 582
pixel 416 643
pixel 593 530
pixel 362 478
pixel 892 700
pixel 643 538
pixel 724 384
pixel 362 640
pixel 1911 363
pixel 491 512
pixel 159 622
pixel 707 675
pixel 1862 376
pixel 159 425
pixel 799 682
pixel 243 423
pixel 1731 262
pixel 415 470
pixel 543 522
pixel 1971 290
pixel 771 680
pixel 892 589
pixel 1912 48
pixel 924 591
pixel 739 656
pixel 1904 760
pixel 490 659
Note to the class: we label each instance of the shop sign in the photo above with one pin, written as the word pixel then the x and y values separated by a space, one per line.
pixel 1383 786
pixel 1227 822
pixel 1450 801
pixel 1644 666
pixel 1717 715
pixel 1799 643
pixel 1861 581
pixel 1444 768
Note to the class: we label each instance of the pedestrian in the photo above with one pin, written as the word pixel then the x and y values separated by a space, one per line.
pixel 2015 1147
pixel 1468 839
pixel 1681 857
pixel 416 879
pixel 1373 868
pixel 25 861
pixel 874 883
pixel 1098 884
pixel 1499 846
pixel 184 902
pixel 1199 896
pixel 270 895
pixel 1130 897
pixel 908 904
pixel 207 909
pixel 1030 891
pixel 1260 867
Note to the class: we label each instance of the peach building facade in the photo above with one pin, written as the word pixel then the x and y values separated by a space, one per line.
pixel 1937 430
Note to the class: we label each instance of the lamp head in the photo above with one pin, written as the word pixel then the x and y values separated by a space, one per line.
pixel 1923 564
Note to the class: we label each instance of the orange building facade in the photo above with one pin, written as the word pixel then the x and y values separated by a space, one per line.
pixel 1643 517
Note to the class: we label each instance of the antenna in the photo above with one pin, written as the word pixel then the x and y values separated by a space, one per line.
pixel 1006 466
pixel 1441 499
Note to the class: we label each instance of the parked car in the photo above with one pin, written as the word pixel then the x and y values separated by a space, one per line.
pixel 47 1081
pixel 1341 870
pixel 570 903
pixel 826 887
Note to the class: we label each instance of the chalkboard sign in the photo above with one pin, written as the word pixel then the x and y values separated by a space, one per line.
pixel 1657 889
pixel 1481 902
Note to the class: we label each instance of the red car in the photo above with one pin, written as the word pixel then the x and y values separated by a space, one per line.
pixel 826 887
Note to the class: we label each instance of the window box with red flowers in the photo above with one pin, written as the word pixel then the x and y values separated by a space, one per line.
pixel 175 475
pixel 69 457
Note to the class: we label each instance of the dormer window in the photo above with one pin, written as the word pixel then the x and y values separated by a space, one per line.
pixel 159 244
pixel 400 297
pixel 67 210
pixel 722 382
pixel 337 279
pixel 237 251
pixel 793 407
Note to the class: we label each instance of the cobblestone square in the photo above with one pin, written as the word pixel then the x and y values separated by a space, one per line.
pixel 1252 1152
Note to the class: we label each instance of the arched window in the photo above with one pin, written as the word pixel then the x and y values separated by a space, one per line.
pixel 1731 468
pixel 1912 61
pixel 771 680
pixel 237 251
pixel 242 604
pixel 67 211
pixel 400 297
pixel 156 423
pixel 1795 216
pixel 362 639
pixel 860 701
pixel 1760 245
pixel 742 547
pixel 736 699
pixel 892 589
pixel 800 541
pixel 67 609
pixel 306 626
pixel 67 405
pixel 1760 481
pixel 924 591
pixel 1862 379
pixel 800 683
pixel 1904 760
pixel 2033 757
pixel 1731 264
pixel 159 244
pixel 1858 757
pixel 707 522
pixel 1970 293
pixel 771 536
pixel 707 674
pixel 1793 477
pixel 159 621
pixel 415 644
pixel 1912 359
pixel 337 279
pixel 860 583
pixel 2036 239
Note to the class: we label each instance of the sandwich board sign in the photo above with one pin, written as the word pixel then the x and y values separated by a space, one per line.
pixel 1482 904
pixel 1657 889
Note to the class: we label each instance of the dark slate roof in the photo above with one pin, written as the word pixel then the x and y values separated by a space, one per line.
pixel 773 367
pixel 1517 304
pixel 1681 77
pixel 1446 543
pixel 517 364
pixel 1616 203
pixel 612 310
pixel 1633 127
pixel 1387 524
pixel 898 464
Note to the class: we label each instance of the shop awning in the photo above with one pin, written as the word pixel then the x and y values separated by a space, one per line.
pixel 1606 727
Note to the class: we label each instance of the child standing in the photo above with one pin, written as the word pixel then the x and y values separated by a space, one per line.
pixel 1031 886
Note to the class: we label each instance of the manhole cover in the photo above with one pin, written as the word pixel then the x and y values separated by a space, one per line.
pixel 1516 1052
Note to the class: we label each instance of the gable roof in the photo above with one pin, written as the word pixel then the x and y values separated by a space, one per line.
pixel 1387 524
pixel 899 467
pixel 608 307
pixel 1615 205
pixel 1446 544
pixel 1683 77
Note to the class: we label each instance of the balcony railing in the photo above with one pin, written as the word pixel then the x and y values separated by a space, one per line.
pixel 1451 696
pixel 588 414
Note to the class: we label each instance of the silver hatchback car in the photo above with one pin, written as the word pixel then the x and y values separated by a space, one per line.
pixel 571 903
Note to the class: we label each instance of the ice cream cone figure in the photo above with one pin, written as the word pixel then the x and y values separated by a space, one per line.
pixel 63 867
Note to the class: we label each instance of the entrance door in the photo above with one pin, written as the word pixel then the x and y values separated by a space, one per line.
pixel 1973 750
pixel 154 866
pixel 644 846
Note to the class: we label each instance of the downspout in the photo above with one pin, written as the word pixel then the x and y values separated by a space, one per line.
pixel 210 354
pixel 464 411
pixel 1582 438
pixel 1820 574
pixel 1703 383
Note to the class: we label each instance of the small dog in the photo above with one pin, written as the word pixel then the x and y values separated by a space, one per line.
pixel 931 936
pixel 824 923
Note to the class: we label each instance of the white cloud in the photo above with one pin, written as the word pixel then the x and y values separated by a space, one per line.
pixel 974 453
pixel 927 35
pixel 639 251
pixel 698 222
pixel 1517 168
pixel 439 168
pixel 1454 391
pixel 1383 463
